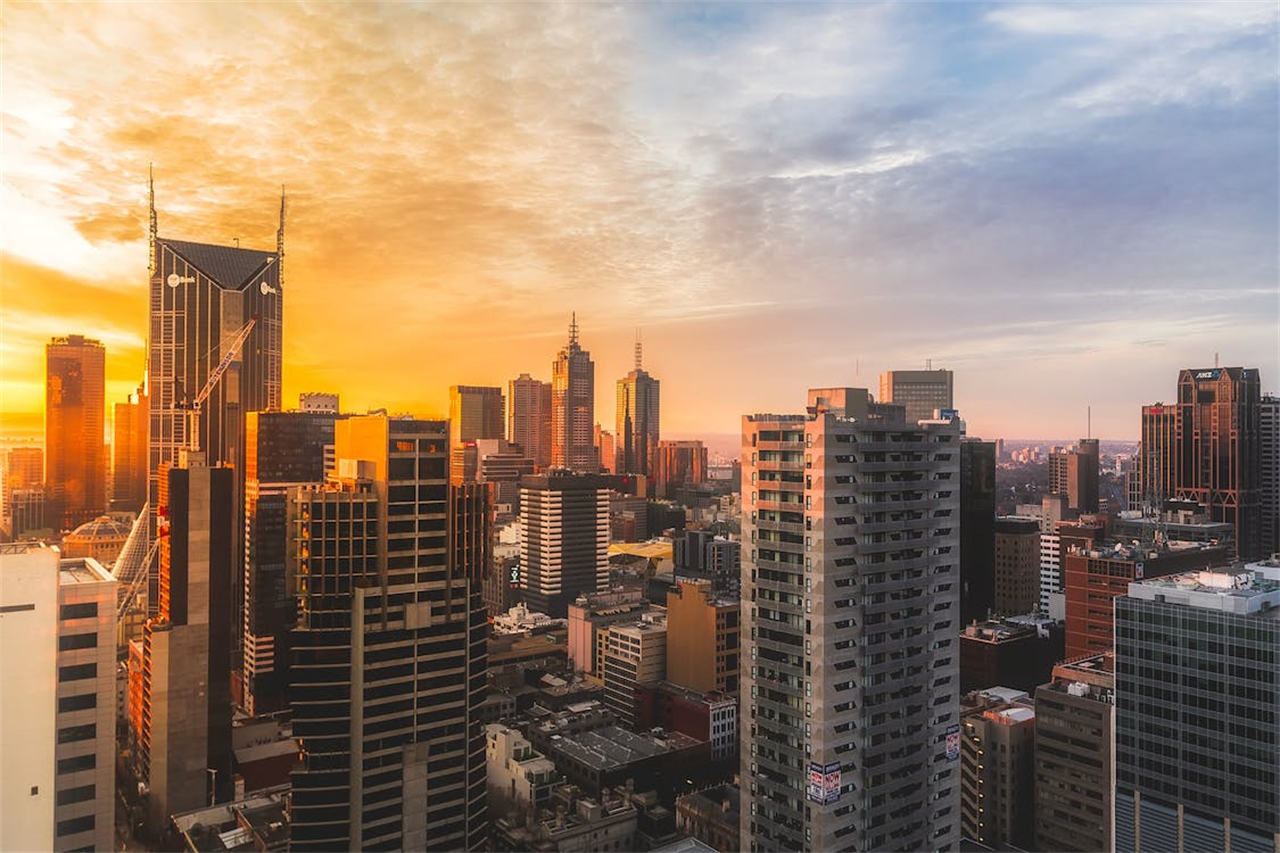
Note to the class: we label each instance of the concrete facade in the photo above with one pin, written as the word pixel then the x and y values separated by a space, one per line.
pixel 851 601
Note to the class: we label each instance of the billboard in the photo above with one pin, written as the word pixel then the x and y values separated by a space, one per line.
pixel 824 782
pixel 953 742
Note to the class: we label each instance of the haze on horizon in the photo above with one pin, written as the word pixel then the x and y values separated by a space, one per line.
pixel 1063 203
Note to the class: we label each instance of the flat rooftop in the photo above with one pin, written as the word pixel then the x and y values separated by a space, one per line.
pixel 1251 589
pixel 611 747
pixel 82 570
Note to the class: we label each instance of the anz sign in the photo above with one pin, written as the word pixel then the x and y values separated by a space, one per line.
pixel 1209 374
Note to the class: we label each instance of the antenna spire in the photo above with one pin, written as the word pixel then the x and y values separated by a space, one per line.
pixel 280 240
pixel 573 330
pixel 151 214
pixel 638 346
pixel 1089 422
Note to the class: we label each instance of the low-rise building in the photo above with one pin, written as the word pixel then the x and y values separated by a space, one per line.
pixel 710 716
pixel 712 816
pixel 610 757
pixel 997 766
pixel 519 776
pixel 258 823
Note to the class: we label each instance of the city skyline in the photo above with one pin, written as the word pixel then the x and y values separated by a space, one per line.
pixel 720 176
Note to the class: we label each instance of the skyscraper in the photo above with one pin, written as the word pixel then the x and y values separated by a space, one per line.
pixel 23 471
pixel 573 389
pixel 201 296
pixel 1269 467
pixel 921 391
pixel 1073 474
pixel 282 450
pixel 636 442
pixel 1196 759
pixel 75 464
pixel 851 682
pixel 564 539
pixel 679 463
pixel 1017 565
pixel 1219 419
pixel 1159 457
pixel 529 417
pixel 977 529
pixel 186 684
pixel 129 449
pixel 475 412
pixel 389 656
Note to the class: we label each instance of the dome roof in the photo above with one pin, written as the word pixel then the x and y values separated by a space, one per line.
pixel 102 527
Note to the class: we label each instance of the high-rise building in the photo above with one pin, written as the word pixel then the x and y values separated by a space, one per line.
pixel 638 422
pixel 186 647
pixel 75 465
pixel 29 696
pixel 997 758
pixel 921 391
pixel 1159 457
pixel 529 417
pixel 23 470
pixel 590 616
pixel 1196 689
pixel 703 633
pixel 1017 564
pixel 282 450
pixel 475 412
pixel 85 799
pixel 606 449
pixel 1063 536
pixel 564 539
pixel 389 656
pixel 1095 575
pixel 977 529
pixel 635 653
pixel 27 511
pixel 1216 450
pixel 851 676
pixel 680 463
pixel 1073 473
pixel 202 295
pixel 1269 476
pixel 129 452
pixel 1075 719
pixel 573 390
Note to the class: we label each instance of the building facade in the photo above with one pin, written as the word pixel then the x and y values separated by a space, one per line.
pixel 389 657
pixel 639 411
pixel 921 391
pixel 529 417
pixel 129 453
pixel 475 412
pixel 635 653
pixel 1197 684
pixel 851 678
pixel 573 418
pixel 1017 565
pixel 703 632
pixel 1073 473
pixel 1075 720
pixel 977 529
pixel 997 760
pixel 201 295
pixel 1269 473
pixel 564 539
pixel 680 463
pixel 23 471
pixel 282 450
pixel 75 461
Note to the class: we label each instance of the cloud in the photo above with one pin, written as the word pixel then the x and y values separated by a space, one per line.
pixel 839 184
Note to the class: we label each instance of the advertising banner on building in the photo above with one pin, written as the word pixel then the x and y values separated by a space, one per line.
pixel 953 742
pixel 824 782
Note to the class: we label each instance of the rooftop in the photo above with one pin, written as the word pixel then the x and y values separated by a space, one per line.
pixel 82 570
pixel 1253 588
pixel 611 748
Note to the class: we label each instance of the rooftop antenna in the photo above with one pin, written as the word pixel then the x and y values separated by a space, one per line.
pixel 237 239
pixel 928 364
pixel 151 214
pixel 637 348
pixel 573 330
pixel 280 240
pixel 1215 358
pixel 1089 422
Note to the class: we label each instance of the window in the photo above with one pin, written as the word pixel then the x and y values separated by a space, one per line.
pixel 71 734
pixel 79 611
pixel 77 703
pixel 77 672
pixel 75 795
pixel 76 824
pixel 70 642
pixel 77 763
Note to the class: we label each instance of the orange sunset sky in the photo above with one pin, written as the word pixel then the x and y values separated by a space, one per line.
pixel 1065 204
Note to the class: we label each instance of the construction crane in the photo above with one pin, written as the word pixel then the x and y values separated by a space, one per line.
pixel 135 584
pixel 233 349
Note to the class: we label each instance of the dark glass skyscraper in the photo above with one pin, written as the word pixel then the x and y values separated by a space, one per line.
pixel 201 296
pixel 283 450
pixel 636 438
pixel 977 529
pixel 389 656
pixel 573 407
